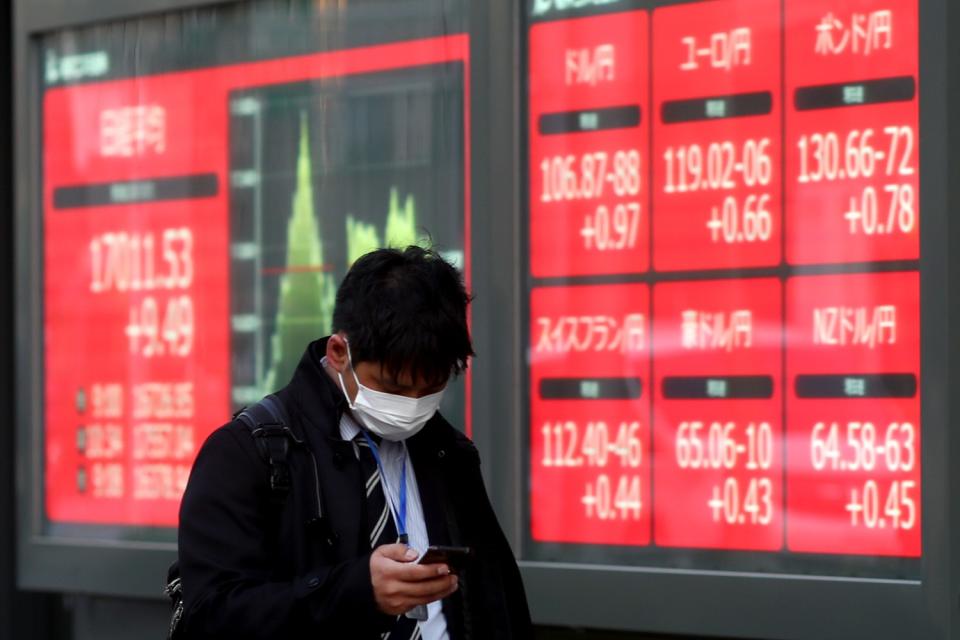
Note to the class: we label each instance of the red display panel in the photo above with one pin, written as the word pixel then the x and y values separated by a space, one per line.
pixel 589 81
pixel 590 409
pixel 138 275
pixel 784 146
pixel 135 355
pixel 853 414
pixel 852 144
pixel 717 415
pixel 716 135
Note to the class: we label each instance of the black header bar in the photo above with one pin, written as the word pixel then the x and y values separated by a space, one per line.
pixel 204 185
pixel 589 120
pixel 717 387
pixel 591 388
pixel 855 385
pixel 717 108
pixel 855 94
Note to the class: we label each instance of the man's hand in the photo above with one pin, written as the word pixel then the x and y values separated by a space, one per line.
pixel 399 585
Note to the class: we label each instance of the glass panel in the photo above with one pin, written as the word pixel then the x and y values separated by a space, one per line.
pixel 208 178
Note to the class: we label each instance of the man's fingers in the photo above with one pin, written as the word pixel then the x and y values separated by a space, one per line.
pixel 395 563
pixel 407 595
pixel 432 587
pixel 399 584
pixel 407 600
pixel 453 588
pixel 429 590
pixel 397 552
pixel 418 572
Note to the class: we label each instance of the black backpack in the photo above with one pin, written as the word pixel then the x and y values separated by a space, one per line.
pixel 267 425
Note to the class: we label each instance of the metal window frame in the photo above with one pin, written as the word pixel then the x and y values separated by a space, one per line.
pixel 43 562
pixel 781 606
pixel 120 568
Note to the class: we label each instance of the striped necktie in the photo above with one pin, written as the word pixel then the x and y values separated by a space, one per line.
pixel 381 527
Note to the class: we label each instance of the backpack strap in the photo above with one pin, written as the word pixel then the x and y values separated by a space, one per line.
pixel 265 420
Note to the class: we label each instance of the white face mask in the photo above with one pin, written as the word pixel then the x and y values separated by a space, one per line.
pixel 390 416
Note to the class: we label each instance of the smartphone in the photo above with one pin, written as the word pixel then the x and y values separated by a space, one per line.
pixel 454 557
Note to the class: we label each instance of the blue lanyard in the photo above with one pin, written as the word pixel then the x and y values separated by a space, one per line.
pixel 400 515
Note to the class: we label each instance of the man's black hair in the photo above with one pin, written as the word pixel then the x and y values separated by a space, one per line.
pixel 406 309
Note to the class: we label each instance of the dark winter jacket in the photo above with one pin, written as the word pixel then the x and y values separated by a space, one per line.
pixel 254 567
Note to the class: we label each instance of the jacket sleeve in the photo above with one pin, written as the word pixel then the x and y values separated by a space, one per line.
pixel 229 587
pixel 517 623
pixel 498 573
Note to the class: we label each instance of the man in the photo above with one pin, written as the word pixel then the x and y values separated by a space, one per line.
pixel 376 475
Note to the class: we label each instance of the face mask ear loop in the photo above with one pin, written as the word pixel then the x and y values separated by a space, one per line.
pixel 343 387
pixel 350 360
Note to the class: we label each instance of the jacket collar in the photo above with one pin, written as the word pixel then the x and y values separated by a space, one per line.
pixel 319 399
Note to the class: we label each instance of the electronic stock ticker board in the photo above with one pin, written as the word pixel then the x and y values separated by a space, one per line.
pixel 724 302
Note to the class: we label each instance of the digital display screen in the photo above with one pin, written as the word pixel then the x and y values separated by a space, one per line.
pixel 853 414
pixel 592 398
pixel 197 222
pixel 718 420
pixel 716 176
pixel 766 413
pixel 851 133
pixel 589 133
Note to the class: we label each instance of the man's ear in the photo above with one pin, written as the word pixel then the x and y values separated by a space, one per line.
pixel 337 352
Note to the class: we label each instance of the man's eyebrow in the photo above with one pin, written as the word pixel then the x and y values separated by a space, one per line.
pixel 389 380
